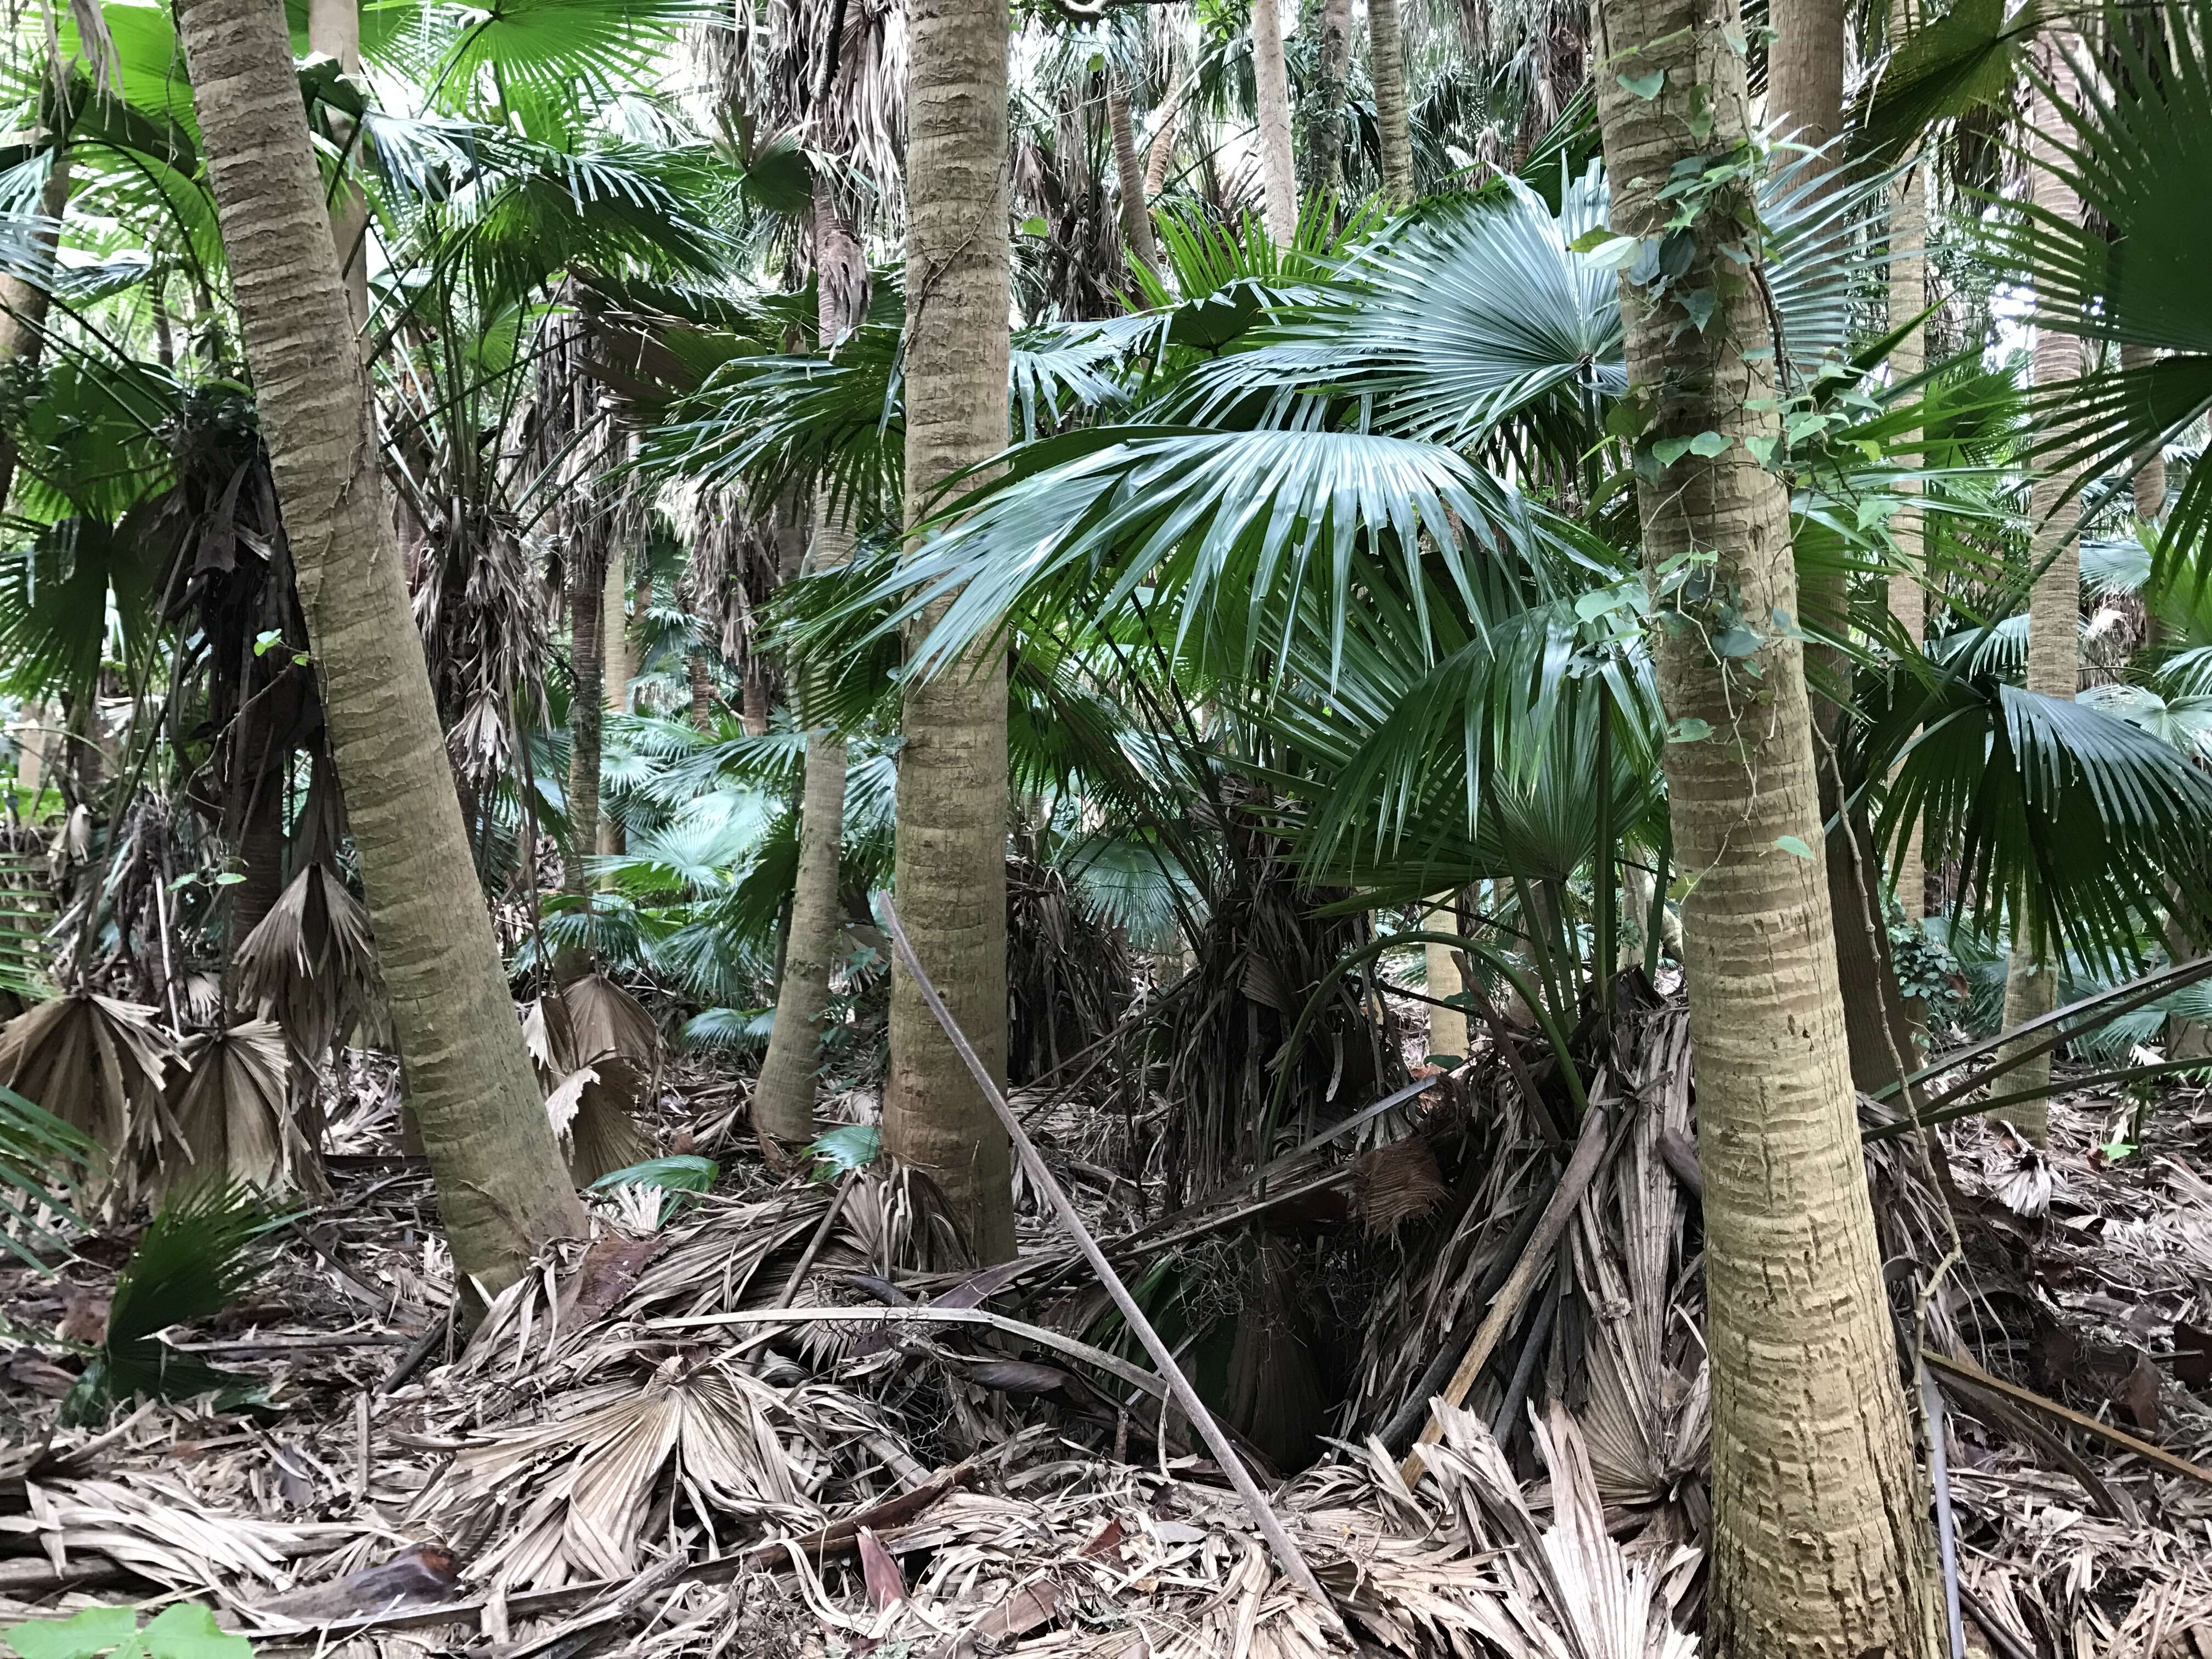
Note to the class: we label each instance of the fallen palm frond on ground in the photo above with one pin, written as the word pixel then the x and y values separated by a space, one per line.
pixel 982 1462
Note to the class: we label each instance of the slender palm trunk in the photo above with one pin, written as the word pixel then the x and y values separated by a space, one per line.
pixel 1908 297
pixel 783 1099
pixel 1818 1530
pixel 2148 481
pixel 24 305
pixel 1386 50
pixel 334 31
pixel 2054 606
pixel 500 1184
pixel 615 675
pixel 1161 154
pixel 1279 181
pixel 1325 140
pixel 586 575
pixel 951 873
pixel 1129 174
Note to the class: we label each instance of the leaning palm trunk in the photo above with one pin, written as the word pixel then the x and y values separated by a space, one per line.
pixel 1161 154
pixel 587 581
pixel 2054 604
pixel 500 1186
pixel 334 31
pixel 1279 182
pixel 1819 1529
pixel 783 1100
pixel 1386 48
pixel 951 872
pixel 1129 174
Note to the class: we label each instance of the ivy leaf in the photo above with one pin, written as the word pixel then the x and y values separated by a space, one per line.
pixel 1701 303
pixel 1689 729
pixel 1736 642
pixel 1709 444
pixel 1793 846
pixel 93 1631
pixel 1668 451
pixel 187 1630
pixel 1645 86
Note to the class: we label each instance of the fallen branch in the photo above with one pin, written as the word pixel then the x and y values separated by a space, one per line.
pixel 2155 1455
pixel 1285 1548
pixel 1581 1168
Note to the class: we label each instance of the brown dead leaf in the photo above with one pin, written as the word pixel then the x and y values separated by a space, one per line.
pixel 1107 1539
pixel 2139 1393
pixel 886 1583
pixel 1018 1376
pixel 604 1277
pixel 2192 1355
pixel 84 1315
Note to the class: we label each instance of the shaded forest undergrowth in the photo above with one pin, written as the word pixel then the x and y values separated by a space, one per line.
pixel 782 1415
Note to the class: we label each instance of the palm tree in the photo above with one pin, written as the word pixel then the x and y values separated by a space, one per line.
pixel 1908 297
pixel 1271 80
pixel 1129 173
pixel 2054 606
pixel 783 1100
pixel 951 856
pixel 1386 48
pixel 1819 1536
pixel 500 1181
pixel 1325 133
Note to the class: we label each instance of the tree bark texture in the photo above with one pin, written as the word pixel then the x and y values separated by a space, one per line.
pixel 334 31
pixel 24 305
pixel 1270 77
pixel 950 867
pixel 1325 139
pixel 587 575
pixel 1160 155
pixel 1908 297
pixel 2054 604
pixel 614 674
pixel 1386 49
pixel 1819 1543
pixel 2149 477
pixel 1129 174
pixel 501 1186
pixel 783 1099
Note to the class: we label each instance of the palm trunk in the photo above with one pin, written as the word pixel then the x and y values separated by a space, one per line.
pixel 2149 478
pixel 951 873
pixel 1136 214
pixel 1386 49
pixel 1161 156
pixel 586 656
pixel 501 1186
pixel 1819 1529
pixel 1325 140
pixel 1447 1026
pixel 1279 181
pixel 615 675
pixel 1908 297
pixel 24 305
pixel 334 31
pixel 2054 606
pixel 783 1099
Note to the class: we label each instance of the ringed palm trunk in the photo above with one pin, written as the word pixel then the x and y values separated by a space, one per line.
pixel 1161 156
pixel 24 305
pixel 1270 77
pixel 586 575
pixel 614 677
pixel 1908 297
pixel 2149 482
pixel 1818 1530
pixel 950 865
pixel 1129 174
pixel 1386 47
pixel 334 31
pixel 1325 140
pixel 2054 604
pixel 501 1186
pixel 783 1099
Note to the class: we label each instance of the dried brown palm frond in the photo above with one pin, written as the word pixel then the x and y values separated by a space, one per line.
pixel 702 1443
pixel 310 965
pixel 153 1523
pixel 862 119
pixel 484 618
pixel 233 1109
pixel 98 1064
pixel 598 1054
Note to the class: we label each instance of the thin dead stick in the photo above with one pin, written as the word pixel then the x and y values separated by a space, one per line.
pixel 1271 1526
pixel 1581 1168
pixel 1946 1535
pixel 2156 1456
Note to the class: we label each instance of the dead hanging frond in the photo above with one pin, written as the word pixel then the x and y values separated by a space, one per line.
pixel 98 1064
pixel 485 620
pixel 311 964
pixel 859 115
pixel 232 1108
pixel 598 1054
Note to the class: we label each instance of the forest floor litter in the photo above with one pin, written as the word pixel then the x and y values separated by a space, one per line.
pixel 782 1418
